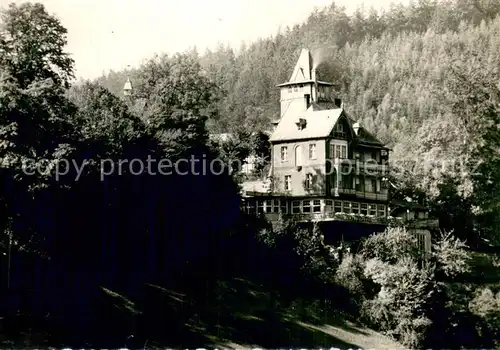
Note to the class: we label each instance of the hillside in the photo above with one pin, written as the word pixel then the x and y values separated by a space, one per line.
pixel 392 71
pixel 107 254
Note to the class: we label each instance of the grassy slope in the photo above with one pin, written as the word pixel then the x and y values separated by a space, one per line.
pixel 245 316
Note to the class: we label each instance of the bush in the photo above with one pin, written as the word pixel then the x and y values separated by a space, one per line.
pixel 400 307
pixel 486 305
pixel 391 245
pixel 450 255
pixel 350 275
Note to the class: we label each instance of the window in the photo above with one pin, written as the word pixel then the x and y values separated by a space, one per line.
pixel 301 87
pixel 295 207
pixel 316 206
pixel 328 205
pixel 276 206
pixel 309 181
pixel 260 207
pixel 298 156
pixel 346 181
pixel 364 209
pixel 381 210
pixel 268 206
pixel 347 207
pixel 359 184
pixel 284 153
pixel 312 151
pixel 372 210
pixel 337 151
pixel 332 150
pixel 355 208
pixel 284 207
pixel 339 127
pixel 338 206
pixel 288 182
pixel 368 185
pixel 251 207
pixel 374 185
pixel 295 88
pixel 306 206
pixel 344 152
pixel 289 89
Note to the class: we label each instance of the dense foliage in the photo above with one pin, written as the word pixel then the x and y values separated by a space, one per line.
pixel 100 244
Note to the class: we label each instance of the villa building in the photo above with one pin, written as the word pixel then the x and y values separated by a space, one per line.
pixel 325 166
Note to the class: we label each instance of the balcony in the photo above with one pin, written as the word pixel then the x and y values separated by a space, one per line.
pixel 360 194
pixel 354 166
pixel 324 209
pixel 356 218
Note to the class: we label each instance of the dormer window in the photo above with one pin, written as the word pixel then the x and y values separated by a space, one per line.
pixel 301 123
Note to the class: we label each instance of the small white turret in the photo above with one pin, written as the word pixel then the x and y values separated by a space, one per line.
pixel 127 88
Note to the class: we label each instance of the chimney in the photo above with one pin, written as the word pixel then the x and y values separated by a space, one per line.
pixel 356 127
pixel 315 87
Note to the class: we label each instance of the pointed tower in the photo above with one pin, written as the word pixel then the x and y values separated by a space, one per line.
pixel 127 88
pixel 303 89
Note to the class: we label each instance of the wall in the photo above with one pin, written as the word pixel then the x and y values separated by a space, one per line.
pixel 316 167
pixel 294 102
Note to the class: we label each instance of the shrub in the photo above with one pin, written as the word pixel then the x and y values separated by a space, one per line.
pixel 486 305
pixel 400 307
pixel 391 245
pixel 350 275
pixel 450 255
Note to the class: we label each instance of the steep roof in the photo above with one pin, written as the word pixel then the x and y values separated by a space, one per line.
pixel 364 137
pixel 319 123
pixel 128 85
pixel 303 67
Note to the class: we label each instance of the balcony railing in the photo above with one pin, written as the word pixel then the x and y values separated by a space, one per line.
pixel 355 166
pixel 360 194
pixel 357 218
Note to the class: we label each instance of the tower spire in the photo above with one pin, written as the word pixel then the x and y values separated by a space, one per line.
pixel 127 88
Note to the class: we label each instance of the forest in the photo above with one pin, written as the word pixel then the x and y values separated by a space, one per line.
pixel 139 260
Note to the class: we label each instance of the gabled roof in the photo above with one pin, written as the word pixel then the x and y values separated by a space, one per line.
pixel 320 119
pixel 364 137
pixel 303 67
pixel 319 123
pixel 128 85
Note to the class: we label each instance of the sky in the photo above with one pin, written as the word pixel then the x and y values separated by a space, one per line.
pixel 112 34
